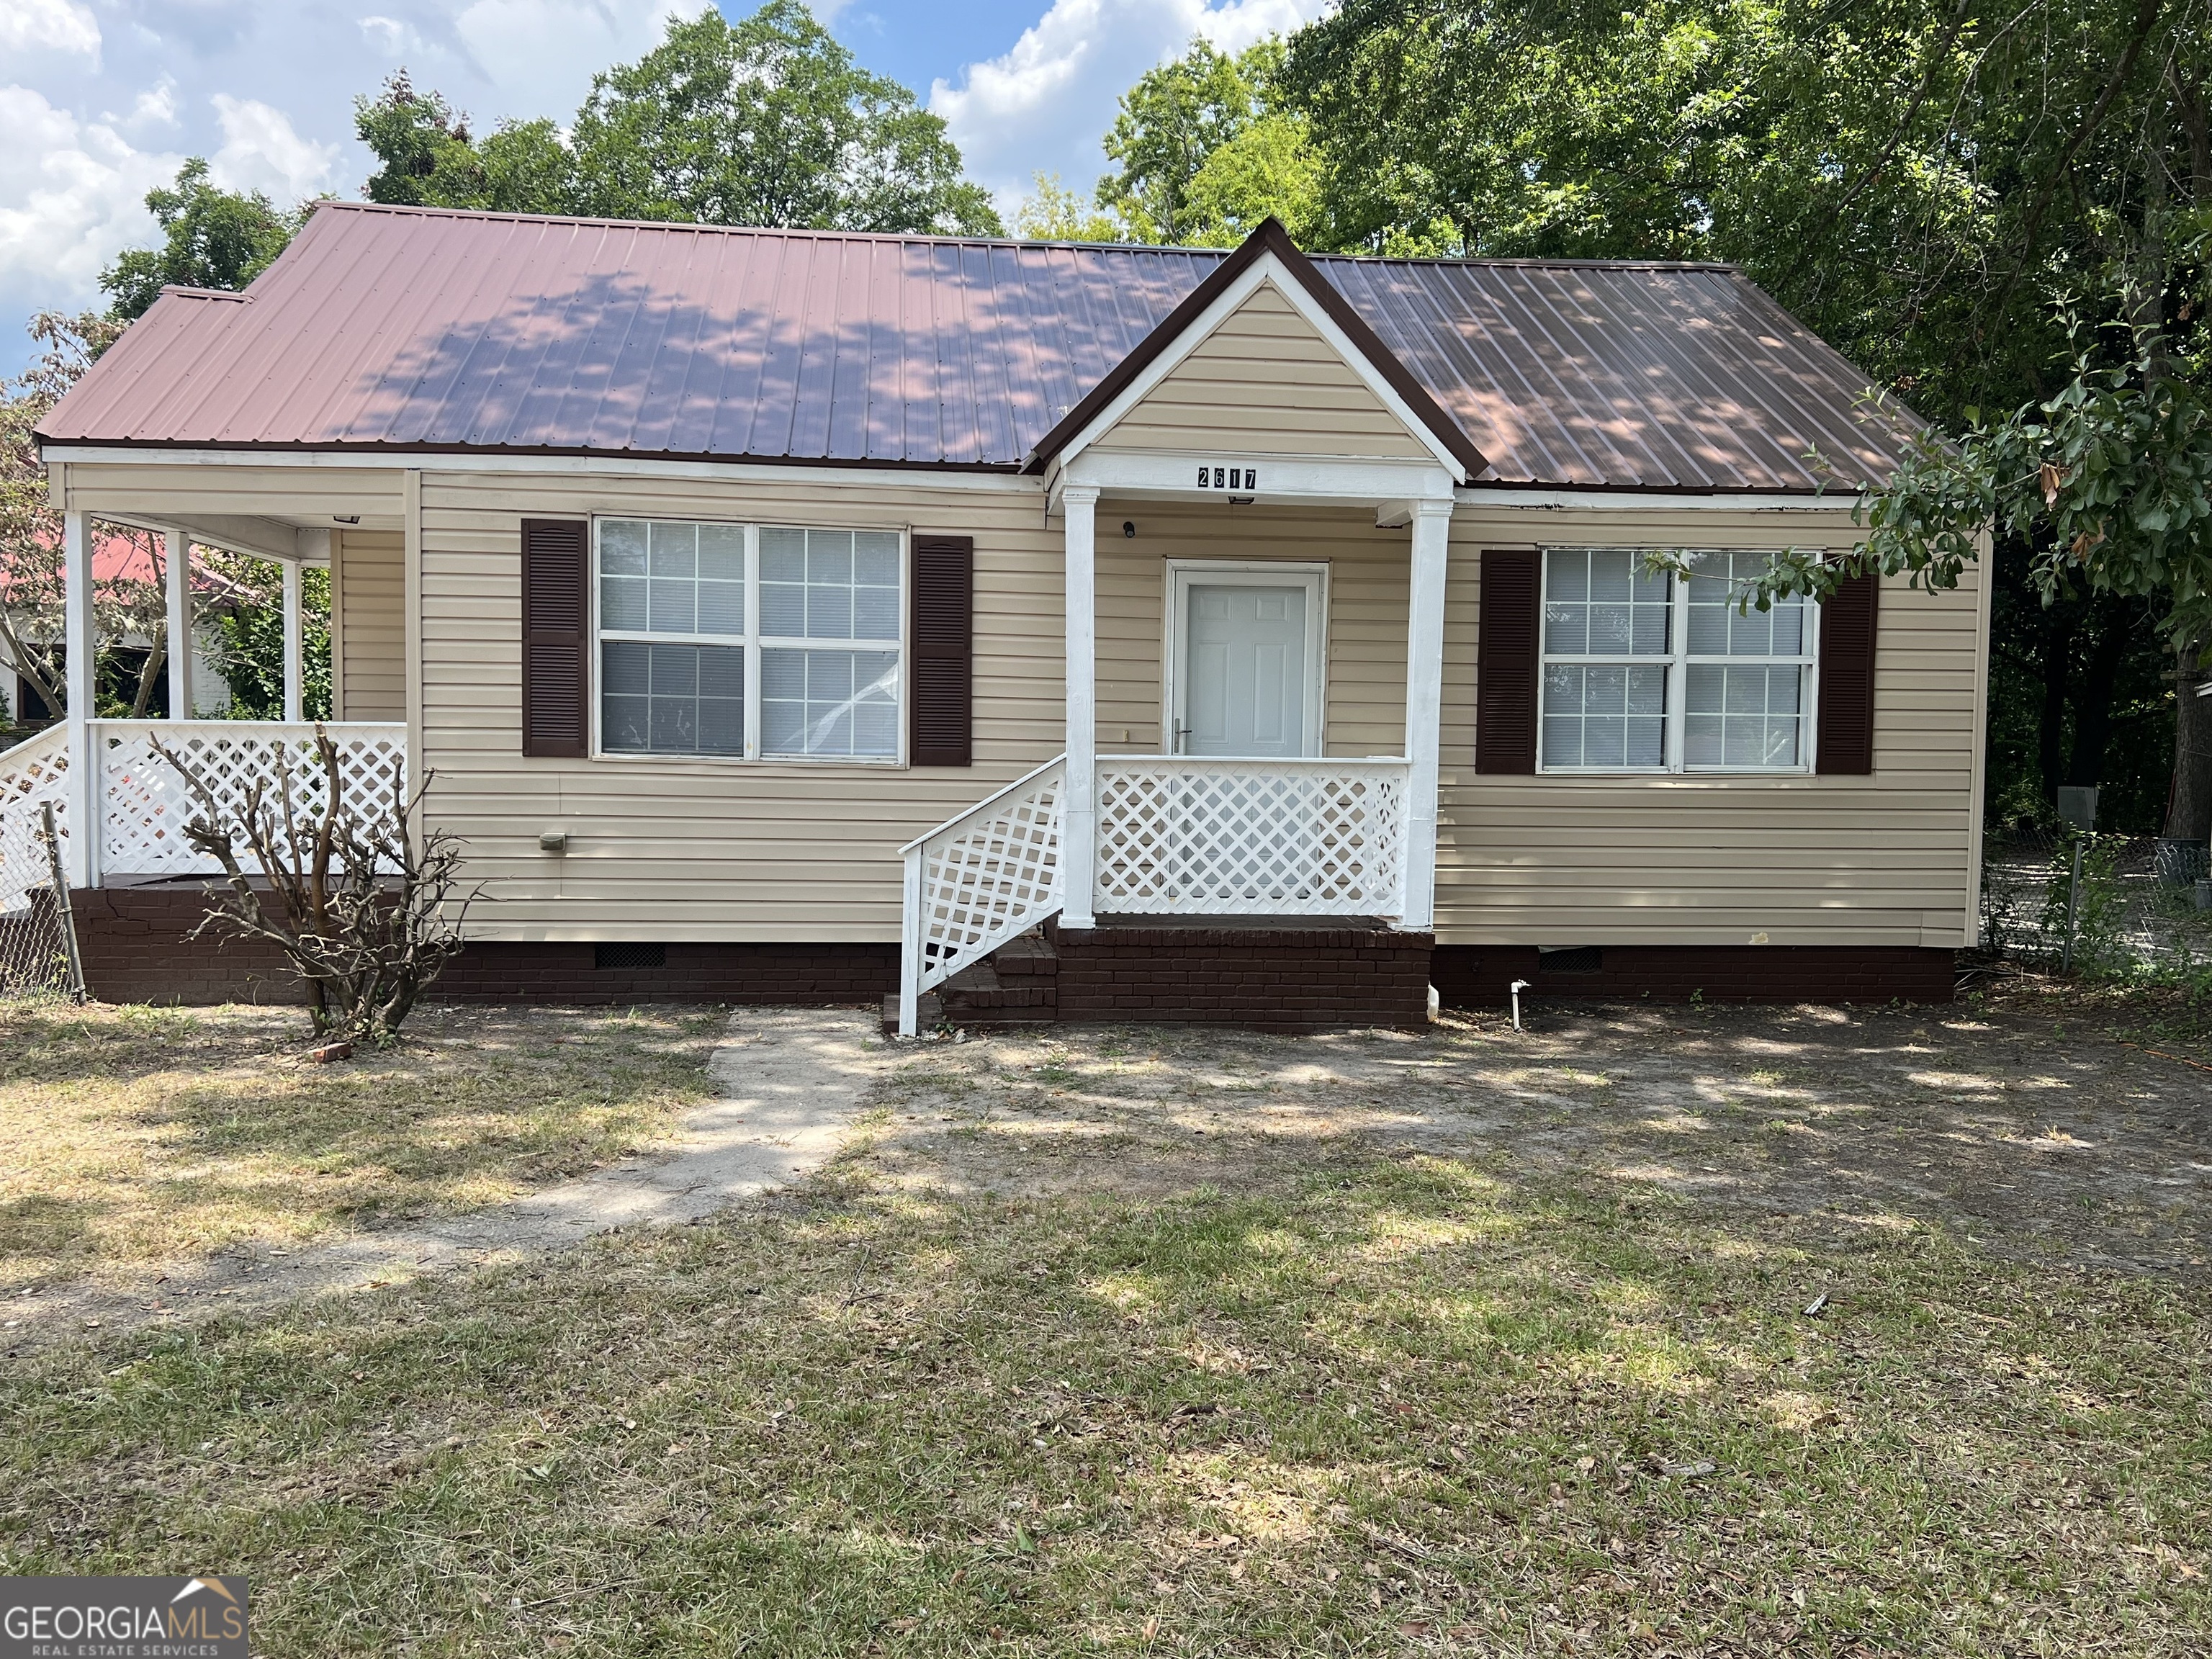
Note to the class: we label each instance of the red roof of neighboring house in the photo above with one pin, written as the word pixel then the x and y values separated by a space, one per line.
pixel 415 329
pixel 119 557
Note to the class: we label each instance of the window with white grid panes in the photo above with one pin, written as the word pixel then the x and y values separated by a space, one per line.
pixel 744 640
pixel 1607 648
pixel 1654 671
pixel 819 698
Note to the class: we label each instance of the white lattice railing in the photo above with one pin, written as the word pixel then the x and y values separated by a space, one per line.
pixel 145 804
pixel 32 773
pixel 978 880
pixel 1190 835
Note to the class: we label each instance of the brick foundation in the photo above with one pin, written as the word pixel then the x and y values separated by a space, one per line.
pixel 1480 976
pixel 135 950
pixel 1302 976
pixel 1274 976
pixel 132 941
pixel 750 974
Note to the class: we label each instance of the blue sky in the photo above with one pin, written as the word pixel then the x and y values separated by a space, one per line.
pixel 101 99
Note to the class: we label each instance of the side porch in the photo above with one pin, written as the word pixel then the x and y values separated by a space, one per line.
pixel 118 807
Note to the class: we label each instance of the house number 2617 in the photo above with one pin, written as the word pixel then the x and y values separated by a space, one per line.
pixel 1227 477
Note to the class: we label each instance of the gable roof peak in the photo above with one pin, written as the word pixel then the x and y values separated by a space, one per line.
pixel 1270 241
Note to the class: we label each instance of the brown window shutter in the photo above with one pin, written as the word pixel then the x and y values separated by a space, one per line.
pixel 1506 661
pixel 941 653
pixel 1847 636
pixel 555 637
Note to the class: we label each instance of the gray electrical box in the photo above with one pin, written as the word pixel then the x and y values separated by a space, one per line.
pixel 2077 804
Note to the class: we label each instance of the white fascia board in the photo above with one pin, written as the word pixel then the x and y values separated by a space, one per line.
pixel 1650 501
pixel 1282 478
pixel 1265 269
pixel 901 477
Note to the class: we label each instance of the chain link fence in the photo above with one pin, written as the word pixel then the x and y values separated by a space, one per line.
pixel 38 938
pixel 2125 914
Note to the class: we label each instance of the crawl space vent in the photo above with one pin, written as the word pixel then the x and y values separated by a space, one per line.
pixel 629 956
pixel 1582 959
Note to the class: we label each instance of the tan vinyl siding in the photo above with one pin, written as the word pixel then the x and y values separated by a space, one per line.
pixel 671 849
pixel 1363 699
pixel 369 579
pixel 1264 382
pixel 678 849
pixel 1710 860
pixel 316 497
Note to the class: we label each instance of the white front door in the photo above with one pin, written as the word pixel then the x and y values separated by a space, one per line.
pixel 1246 660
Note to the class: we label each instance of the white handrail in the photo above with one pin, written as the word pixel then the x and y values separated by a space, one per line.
pixel 34 772
pixel 978 880
pixel 984 805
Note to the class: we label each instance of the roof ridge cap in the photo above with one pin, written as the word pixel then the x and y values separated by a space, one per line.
pixel 811 233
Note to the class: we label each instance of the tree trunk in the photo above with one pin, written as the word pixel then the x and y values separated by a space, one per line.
pixel 2059 631
pixel 2093 692
pixel 2188 812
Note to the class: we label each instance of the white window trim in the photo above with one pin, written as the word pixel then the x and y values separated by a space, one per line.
pixel 1678 661
pixel 1175 674
pixel 754 644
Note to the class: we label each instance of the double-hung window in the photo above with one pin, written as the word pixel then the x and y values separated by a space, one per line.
pixel 748 640
pixel 1648 671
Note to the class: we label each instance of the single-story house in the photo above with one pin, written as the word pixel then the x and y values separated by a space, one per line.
pixel 1020 629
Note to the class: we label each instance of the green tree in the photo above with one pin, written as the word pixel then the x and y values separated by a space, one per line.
pixel 211 237
pixel 1055 214
pixel 1915 180
pixel 1205 151
pixel 250 636
pixel 765 121
pixel 428 158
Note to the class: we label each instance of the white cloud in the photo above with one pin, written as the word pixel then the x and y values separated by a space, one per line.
pixel 72 196
pixel 56 25
pixel 261 151
pixel 390 36
pixel 541 54
pixel 1041 106
pixel 155 108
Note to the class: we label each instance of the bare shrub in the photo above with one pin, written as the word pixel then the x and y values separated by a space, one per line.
pixel 355 898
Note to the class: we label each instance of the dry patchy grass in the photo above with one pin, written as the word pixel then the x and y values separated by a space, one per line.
pixel 130 1134
pixel 1407 1405
pixel 1151 1343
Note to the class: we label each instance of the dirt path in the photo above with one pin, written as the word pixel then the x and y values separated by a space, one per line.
pixel 790 1081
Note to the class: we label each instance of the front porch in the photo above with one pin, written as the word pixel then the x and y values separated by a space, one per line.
pixel 1105 846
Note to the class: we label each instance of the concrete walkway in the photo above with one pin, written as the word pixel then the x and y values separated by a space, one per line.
pixel 790 1082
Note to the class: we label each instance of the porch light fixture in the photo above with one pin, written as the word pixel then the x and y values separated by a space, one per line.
pixel 1129 528
pixel 346 518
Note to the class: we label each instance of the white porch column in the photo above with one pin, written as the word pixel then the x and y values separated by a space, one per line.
pixel 1078 844
pixel 294 678
pixel 81 636
pixel 179 554
pixel 1424 684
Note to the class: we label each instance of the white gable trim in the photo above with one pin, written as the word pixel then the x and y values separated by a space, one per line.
pixel 1270 269
pixel 1320 481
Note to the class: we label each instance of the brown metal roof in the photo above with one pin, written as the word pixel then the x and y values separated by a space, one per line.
pixel 407 328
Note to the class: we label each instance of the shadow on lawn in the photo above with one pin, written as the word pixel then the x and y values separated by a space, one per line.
pixel 1379 1404
pixel 141 1133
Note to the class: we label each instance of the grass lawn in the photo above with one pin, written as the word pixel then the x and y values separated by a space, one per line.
pixel 132 1134
pixel 1140 1344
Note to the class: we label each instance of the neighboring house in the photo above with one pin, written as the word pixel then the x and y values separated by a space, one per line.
pixel 117 558
pixel 701 570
